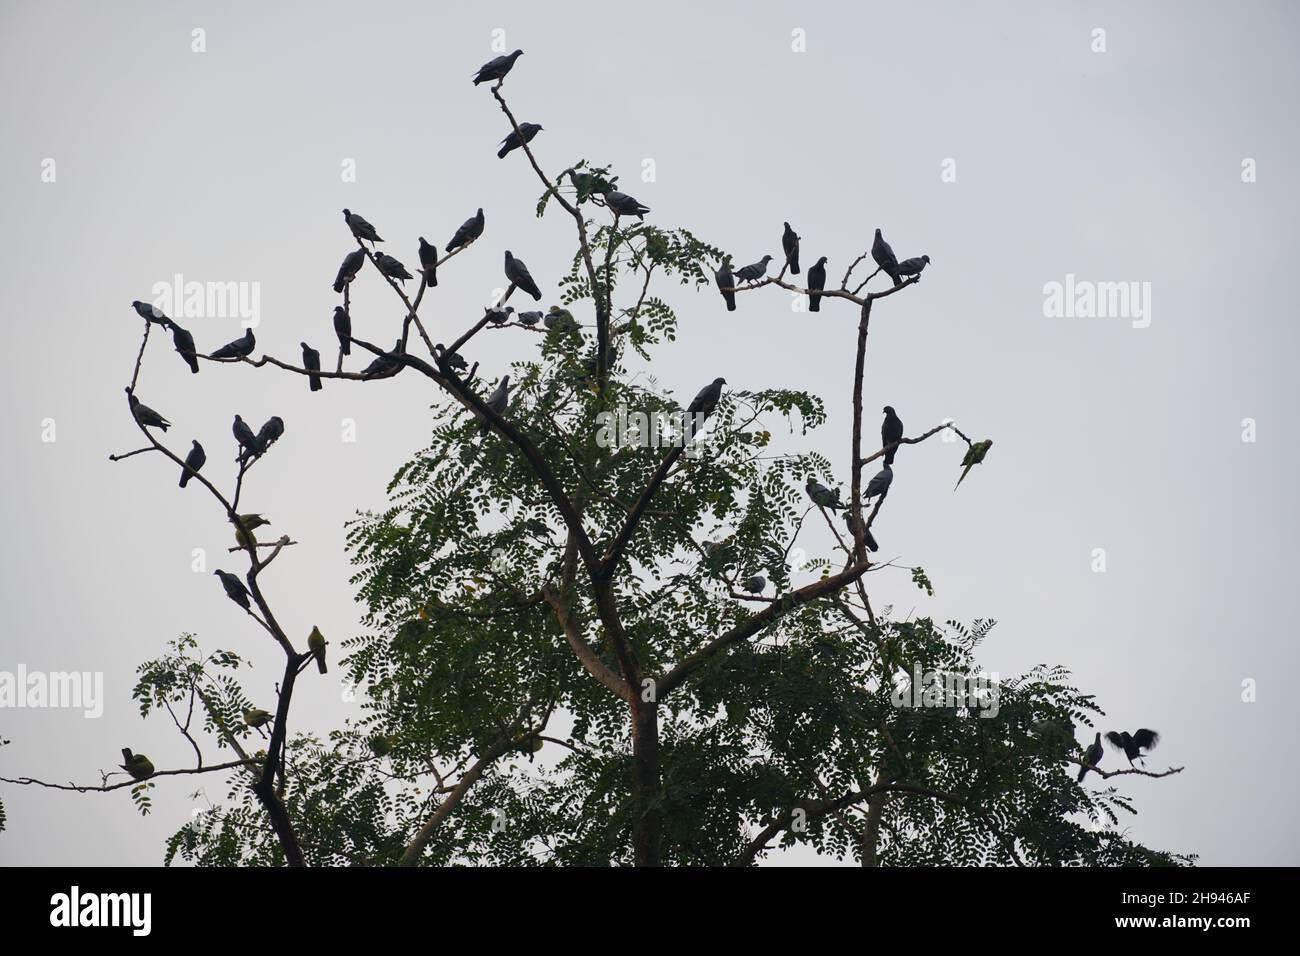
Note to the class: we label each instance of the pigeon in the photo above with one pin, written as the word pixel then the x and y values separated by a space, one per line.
pixel 193 462
pixel 469 230
pixel 390 267
pixel 311 362
pixel 859 530
pixel 316 642
pixel 1091 757
pixel 790 243
pixel 707 399
pixel 1133 744
pixel 755 584
pixel 235 589
pixel 753 272
pixel 184 343
pixel 529 318
pixel 150 313
pixel 352 264
pixel 270 433
pixel 562 319
pixel 360 228
pixel 499 314
pixel 137 765
pixel 245 527
pixel 885 258
pixel 524 134
pixel 879 483
pixel 821 495
pixel 816 282
pixel 499 401
pixel 428 263
pixel 145 415
pixel 890 432
pixel 343 329
pixel 519 276
pixel 496 69
pixel 386 365
pixel 718 553
pixel 245 437
pixel 974 455
pixel 256 717
pixel 453 359
pixel 913 267
pixel 240 348
pixel 625 205
pixel 726 283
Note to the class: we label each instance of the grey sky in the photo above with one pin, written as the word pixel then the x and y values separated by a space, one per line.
pixel 1115 166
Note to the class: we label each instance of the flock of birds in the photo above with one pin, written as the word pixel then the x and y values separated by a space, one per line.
pixel 252 445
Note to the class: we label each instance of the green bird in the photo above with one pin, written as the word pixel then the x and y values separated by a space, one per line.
pixel 250 522
pixel 974 455
pixel 137 765
pixel 257 717
pixel 316 641
pixel 562 319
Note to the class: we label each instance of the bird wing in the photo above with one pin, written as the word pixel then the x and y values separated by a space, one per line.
pixel 1115 740
pixel 1146 739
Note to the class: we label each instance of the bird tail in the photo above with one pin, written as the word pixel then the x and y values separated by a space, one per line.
pixel 345 348
pixel 430 277
pixel 185 477
pixel 338 285
pixel 815 305
pixel 320 664
pixel 731 301
pixel 1082 773
pixel 794 264
pixel 889 457
pixel 501 153
pixel 315 383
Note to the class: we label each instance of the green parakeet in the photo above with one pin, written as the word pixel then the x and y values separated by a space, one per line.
pixel 257 717
pixel 137 765
pixel 316 641
pixel 250 521
pixel 974 455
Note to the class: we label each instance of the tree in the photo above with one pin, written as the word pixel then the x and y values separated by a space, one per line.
pixel 549 557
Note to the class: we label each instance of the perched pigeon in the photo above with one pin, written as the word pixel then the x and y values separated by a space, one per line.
pixel 625 205
pixel 519 276
pixel 343 329
pixel 151 313
pixel 246 439
pixel 453 359
pixel 390 267
pixel 755 584
pixel 891 431
pixel 138 766
pixel 184 343
pixel 707 400
pixel 816 282
pixel 428 263
pixel 496 69
pixel 498 401
pixel 752 273
pixel 859 530
pixel 821 495
pixel 352 264
pixel 386 365
pixel 270 433
pixel 562 319
pixel 499 314
pixel 240 348
pixel 235 589
pixel 790 243
pixel 913 267
pixel 974 455
pixel 515 139
pixel 529 318
pixel 885 258
pixel 360 228
pixel 469 230
pixel 193 462
pixel 1091 757
pixel 311 362
pixel 726 283
pixel 879 483
pixel 1133 744
pixel 316 644
pixel 145 415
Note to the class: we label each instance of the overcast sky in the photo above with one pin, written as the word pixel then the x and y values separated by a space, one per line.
pixel 1120 433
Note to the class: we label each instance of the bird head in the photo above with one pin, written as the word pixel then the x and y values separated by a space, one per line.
pixel 516 54
pixel 889 410
pixel 821 261
pixel 719 381
pixel 926 260
pixel 767 258
pixel 348 212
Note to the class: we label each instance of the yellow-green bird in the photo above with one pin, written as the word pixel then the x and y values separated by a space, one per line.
pixel 316 641
pixel 138 766
pixel 257 717
pixel 974 455
pixel 250 522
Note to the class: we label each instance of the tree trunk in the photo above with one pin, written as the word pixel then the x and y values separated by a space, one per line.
pixel 645 783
